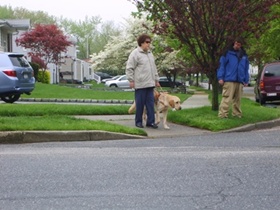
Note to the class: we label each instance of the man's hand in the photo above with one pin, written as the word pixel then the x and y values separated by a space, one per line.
pixel 157 84
pixel 221 82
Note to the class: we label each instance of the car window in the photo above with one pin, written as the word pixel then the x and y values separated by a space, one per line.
pixel 272 71
pixel 100 74
pixel 18 61
pixel 123 78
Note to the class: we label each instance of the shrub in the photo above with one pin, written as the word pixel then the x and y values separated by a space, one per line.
pixel 44 76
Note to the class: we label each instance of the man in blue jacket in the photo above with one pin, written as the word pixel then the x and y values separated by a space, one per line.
pixel 233 74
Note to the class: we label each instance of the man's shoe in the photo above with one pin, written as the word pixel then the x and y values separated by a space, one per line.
pixel 153 125
pixel 139 125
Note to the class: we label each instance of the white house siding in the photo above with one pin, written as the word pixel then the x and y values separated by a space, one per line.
pixel 253 70
pixel 3 40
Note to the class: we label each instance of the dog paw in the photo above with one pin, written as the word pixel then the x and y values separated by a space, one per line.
pixel 166 127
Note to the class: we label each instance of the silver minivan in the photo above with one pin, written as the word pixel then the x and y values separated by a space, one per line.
pixel 16 77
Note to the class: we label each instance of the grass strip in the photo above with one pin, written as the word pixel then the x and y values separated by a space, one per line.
pixel 60 109
pixel 60 123
pixel 205 118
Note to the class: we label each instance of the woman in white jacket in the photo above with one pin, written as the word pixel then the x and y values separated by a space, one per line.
pixel 143 76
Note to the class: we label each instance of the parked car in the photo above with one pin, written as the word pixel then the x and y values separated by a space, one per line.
pixel 113 78
pixel 164 82
pixel 103 75
pixel 267 86
pixel 120 82
pixel 16 77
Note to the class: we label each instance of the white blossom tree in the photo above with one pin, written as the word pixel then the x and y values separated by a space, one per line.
pixel 116 52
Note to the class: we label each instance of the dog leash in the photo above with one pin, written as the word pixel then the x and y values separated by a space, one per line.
pixel 159 89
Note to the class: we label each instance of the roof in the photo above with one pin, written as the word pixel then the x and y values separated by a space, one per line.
pixel 19 23
pixel 5 24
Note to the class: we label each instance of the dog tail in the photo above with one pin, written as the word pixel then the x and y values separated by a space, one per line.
pixel 132 108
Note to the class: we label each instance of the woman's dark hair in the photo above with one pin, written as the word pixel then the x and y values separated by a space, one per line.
pixel 142 38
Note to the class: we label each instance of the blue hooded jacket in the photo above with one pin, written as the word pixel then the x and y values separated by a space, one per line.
pixel 234 67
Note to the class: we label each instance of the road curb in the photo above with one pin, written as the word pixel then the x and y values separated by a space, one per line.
pixel 256 126
pixel 89 101
pixel 18 137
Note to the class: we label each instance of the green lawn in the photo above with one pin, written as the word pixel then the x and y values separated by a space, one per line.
pixel 58 116
pixel 69 92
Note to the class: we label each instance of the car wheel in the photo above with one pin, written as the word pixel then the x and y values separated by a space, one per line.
pixel 257 100
pixel 113 85
pixel 261 100
pixel 10 98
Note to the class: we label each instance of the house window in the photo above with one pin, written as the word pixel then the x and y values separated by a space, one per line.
pixel 1 42
pixel 9 43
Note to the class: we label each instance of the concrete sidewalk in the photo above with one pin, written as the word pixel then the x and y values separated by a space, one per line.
pixel 198 99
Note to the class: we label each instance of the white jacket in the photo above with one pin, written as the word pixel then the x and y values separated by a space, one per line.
pixel 141 69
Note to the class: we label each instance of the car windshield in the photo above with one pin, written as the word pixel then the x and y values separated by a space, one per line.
pixel 115 77
pixel 272 71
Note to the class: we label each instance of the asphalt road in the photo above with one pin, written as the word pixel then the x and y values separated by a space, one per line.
pixel 226 171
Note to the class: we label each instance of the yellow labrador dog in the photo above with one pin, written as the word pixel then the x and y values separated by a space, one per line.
pixel 163 101
pixel 166 101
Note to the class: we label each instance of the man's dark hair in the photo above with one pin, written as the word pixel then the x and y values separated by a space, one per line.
pixel 142 38
pixel 239 40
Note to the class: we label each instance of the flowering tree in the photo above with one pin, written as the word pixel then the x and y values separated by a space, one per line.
pixel 207 28
pixel 46 42
pixel 116 52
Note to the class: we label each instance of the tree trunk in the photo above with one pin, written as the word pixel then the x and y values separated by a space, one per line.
pixel 215 93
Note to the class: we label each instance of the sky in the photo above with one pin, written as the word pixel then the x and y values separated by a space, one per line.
pixel 108 10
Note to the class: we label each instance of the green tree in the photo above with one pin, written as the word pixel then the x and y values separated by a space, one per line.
pixel 91 33
pixel 6 12
pixel 36 17
pixel 207 28
pixel 266 47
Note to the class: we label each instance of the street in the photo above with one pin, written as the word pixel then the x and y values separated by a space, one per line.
pixel 211 171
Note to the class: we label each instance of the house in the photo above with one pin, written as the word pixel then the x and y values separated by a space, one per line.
pixel 70 67
pixel 9 30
